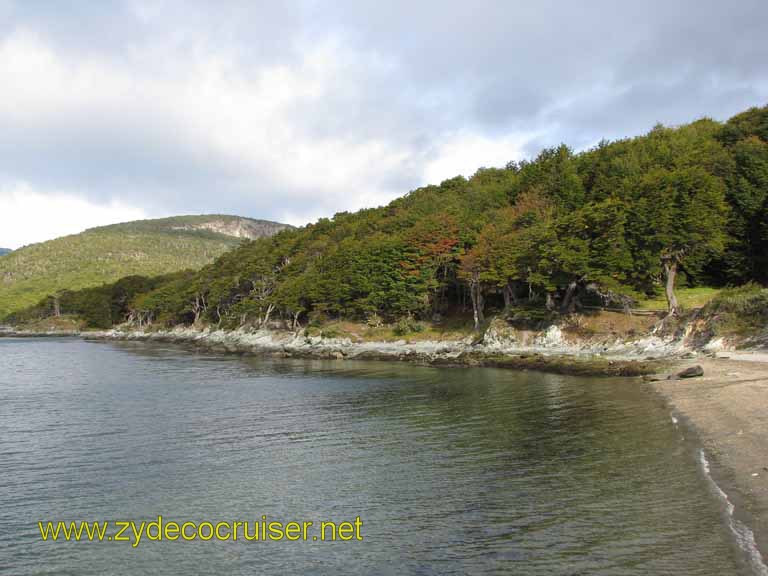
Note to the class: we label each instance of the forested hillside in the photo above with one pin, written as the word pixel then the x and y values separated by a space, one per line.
pixel 108 253
pixel 626 220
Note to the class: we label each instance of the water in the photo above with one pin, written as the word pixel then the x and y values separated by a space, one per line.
pixel 452 471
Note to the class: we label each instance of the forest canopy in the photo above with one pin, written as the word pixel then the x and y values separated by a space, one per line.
pixel 621 221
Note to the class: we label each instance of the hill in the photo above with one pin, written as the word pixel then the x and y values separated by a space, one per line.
pixel 4 251
pixel 107 253
pixel 616 225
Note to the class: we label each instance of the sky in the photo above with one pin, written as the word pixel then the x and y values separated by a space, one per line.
pixel 295 110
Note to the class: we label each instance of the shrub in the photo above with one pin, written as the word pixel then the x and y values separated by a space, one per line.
pixel 374 320
pixel 407 325
pixel 530 318
pixel 743 309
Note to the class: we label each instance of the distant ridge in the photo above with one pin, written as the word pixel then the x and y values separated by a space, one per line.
pixel 4 251
pixel 107 253
pixel 232 226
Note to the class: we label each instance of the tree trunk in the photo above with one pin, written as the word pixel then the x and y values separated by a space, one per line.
pixel 476 293
pixel 267 314
pixel 509 296
pixel 480 303
pixel 550 301
pixel 569 300
pixel 196 308
pixel 199 306
pixel 670 272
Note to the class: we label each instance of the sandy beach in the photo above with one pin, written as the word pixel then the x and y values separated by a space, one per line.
pixel 728 409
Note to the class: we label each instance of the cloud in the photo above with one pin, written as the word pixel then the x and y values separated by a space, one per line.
pixel 297 109
pixel 462 153
pixel 27 213
pixel 167 136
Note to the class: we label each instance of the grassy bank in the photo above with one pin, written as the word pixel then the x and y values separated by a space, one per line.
pixel 688 298
pixel 739 311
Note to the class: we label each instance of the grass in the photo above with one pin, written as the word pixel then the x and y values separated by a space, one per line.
pixel 64 323
pixel 453 328
pixel 687 298
pixel 607 323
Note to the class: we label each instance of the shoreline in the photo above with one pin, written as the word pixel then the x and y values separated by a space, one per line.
pixel 544 354
pixel 727 411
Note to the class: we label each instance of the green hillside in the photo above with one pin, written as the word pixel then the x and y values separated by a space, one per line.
pixel 107 253
pixel 626 222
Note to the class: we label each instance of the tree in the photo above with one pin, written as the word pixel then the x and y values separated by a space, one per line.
pixel 509 251
pixel 679 216
pixel 746 256
pixel 471 267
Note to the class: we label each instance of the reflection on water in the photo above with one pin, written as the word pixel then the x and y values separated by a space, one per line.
pixel 453 471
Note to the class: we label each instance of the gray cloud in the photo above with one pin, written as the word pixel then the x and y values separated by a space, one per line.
pixel 299 109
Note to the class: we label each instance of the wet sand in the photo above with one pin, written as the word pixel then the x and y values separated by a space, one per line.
pixel 728 409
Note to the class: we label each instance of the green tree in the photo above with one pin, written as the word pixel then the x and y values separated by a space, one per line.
pixel 679 219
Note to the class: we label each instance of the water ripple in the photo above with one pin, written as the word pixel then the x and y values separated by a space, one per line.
pixel 453 471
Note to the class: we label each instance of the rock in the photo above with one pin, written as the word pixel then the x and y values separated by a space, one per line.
pixel 692 372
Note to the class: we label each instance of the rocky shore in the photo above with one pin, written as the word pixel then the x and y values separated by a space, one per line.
pixel 13 333
pixel 552 349
pixel 548 350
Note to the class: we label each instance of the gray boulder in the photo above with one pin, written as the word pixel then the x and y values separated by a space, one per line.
pixel 692 372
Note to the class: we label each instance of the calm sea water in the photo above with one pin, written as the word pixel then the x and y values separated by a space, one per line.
pixel 453 471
